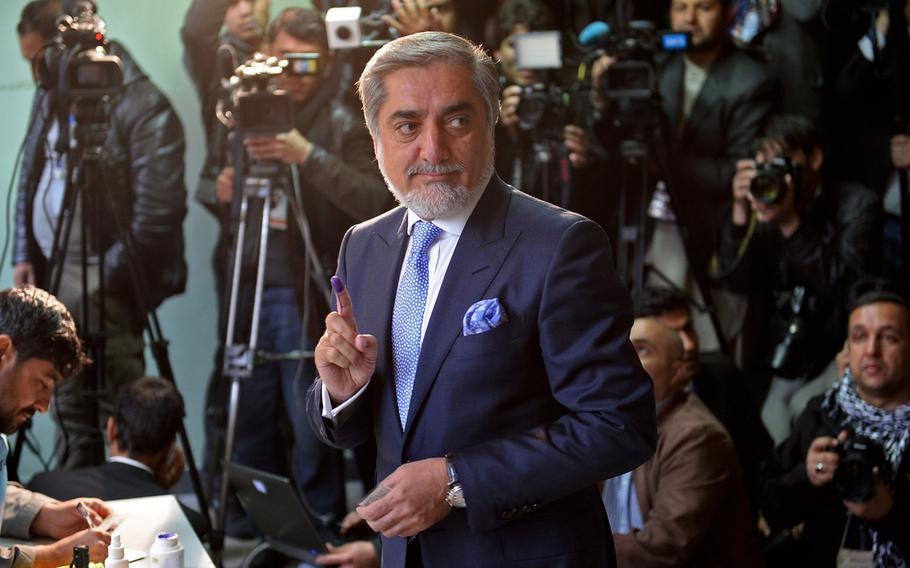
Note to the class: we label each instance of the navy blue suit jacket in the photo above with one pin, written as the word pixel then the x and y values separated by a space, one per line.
pixel 536 411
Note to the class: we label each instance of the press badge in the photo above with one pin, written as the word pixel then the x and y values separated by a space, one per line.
pixel 278 216
pixel 848 558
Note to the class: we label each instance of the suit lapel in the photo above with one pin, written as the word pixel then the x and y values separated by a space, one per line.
pixel 709 95
pixel 671 92
pixel 387 248
pixel 480 252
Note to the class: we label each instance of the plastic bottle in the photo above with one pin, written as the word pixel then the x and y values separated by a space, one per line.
pixel 115 554
pixel 166 551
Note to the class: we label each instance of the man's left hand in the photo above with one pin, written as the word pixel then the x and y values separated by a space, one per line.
pixel 415 501
pixel 61 518
pixel 288 147
pixel 878 506
pixel 577 143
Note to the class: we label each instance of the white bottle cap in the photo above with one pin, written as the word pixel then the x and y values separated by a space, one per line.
pixel 115 550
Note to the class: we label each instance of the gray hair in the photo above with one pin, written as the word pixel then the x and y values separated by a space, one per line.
pixel 423 50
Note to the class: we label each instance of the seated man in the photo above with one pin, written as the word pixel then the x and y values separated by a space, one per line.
pixel 144 458
pixel 805 484
pixel 38 349
pixel 716 381
pixel 689 506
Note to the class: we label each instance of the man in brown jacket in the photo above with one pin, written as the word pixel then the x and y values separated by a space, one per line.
pixel 689 506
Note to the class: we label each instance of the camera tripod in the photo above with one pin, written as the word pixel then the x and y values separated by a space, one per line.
pixel 86 193
pixel 545 153
pixel 263 182
pixel 642 152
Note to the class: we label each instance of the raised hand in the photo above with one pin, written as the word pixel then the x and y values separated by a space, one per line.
pixel 345 358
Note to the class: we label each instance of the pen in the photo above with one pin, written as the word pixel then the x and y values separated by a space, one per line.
pixel 83 510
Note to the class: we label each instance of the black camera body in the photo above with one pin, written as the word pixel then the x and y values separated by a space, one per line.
pixel 254 104
pixel 854 479
pixel 634 77
pixel 769 186
pixel 543 107
pixel 786 359
pixel 78 62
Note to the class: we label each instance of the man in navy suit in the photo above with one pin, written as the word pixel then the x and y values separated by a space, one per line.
pixel 482 338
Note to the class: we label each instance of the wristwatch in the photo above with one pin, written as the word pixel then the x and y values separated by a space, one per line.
pixel 454 496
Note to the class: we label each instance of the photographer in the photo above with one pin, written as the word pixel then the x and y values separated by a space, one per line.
pixel 794 243
pixel 341 186
pixel 843 473
pixel 517 142
pixel 715 99
pixel 243 22
pixel 143 194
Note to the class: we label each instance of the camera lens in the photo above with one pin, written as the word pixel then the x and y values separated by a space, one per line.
pixel 531 111
pixel 765 188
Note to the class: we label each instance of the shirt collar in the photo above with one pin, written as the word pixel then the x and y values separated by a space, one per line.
pixel 130 461
pixel 452 223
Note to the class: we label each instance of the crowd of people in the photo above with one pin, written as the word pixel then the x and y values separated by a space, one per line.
pixel 742 227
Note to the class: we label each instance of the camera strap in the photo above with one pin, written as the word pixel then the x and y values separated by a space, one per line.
pixel 852 558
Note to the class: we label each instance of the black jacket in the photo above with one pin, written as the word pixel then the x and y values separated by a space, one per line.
pixel 838 241
pixel 201 41
pixel 108 481
pixel 788 498
pixel 737 98
pixel 142 172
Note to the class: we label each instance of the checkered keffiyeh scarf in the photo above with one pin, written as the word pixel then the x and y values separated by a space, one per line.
pixel 888 428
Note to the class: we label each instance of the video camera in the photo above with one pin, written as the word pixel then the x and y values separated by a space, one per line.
pixel 348 28
pixel 77 62
pixel 253 103
pixel 634 76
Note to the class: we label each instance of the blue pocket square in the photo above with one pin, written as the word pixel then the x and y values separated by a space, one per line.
pixel 484 316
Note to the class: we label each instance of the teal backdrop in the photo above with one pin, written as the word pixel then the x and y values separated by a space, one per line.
pixel 150 29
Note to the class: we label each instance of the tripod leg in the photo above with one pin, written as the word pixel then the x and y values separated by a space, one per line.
pixel 240 359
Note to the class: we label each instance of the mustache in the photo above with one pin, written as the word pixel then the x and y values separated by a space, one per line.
pixel 427 168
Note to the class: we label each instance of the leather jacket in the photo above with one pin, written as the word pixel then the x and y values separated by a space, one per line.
pixel 143 192
pixel 837 242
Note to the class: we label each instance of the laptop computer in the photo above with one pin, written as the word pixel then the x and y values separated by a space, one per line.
pixel 278 511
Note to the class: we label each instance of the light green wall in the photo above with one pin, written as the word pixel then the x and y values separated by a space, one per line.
pixel 150 29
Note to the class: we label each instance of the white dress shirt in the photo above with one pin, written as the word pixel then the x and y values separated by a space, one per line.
pixel 439 254
pixel 130 461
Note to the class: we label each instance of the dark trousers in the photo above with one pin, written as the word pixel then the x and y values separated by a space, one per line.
pixel 318 469
pixel 80 440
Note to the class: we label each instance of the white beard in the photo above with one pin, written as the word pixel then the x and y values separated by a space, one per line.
pixel 437 199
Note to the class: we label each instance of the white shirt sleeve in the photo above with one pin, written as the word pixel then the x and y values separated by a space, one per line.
pixel 331 413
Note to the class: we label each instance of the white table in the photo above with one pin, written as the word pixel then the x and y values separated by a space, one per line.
pixel 148 516
pixel 145 517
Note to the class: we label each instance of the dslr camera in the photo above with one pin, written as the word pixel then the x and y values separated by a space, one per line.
pixel 853 478
pixel 543 107
pixel 769 186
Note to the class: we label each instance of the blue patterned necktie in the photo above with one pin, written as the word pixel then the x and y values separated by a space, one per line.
pixel 407 317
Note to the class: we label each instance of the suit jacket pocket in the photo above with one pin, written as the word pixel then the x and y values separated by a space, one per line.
pixel 552 534
pixel 489 341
